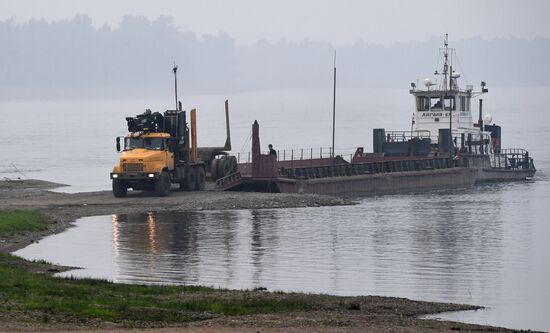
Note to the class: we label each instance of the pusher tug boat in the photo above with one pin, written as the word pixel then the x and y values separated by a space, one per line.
pixel 446 108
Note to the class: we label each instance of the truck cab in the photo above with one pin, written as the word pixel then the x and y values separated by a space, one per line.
pixel 144 156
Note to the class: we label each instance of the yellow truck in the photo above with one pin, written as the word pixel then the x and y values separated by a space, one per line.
pixel 157 152
pixel 161 149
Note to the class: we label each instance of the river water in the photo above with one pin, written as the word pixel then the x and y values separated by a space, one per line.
pixel 486 245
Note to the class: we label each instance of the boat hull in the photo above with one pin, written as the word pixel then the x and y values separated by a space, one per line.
pixel 383 183
pixel 499 175
pixel 487 173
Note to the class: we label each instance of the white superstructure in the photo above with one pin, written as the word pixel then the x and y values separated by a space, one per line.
pixel 436 104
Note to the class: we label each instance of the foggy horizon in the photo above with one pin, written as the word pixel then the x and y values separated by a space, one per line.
pixel 74 59
pixel 225 34
pixel 340 24
pixel 65 49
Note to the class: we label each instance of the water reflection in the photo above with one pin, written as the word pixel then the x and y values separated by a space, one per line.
pixel 440 247
pixel 116 242
pixel 470 246
pixel 150 246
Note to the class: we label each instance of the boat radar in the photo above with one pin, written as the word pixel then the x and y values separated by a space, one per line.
pixel 428 83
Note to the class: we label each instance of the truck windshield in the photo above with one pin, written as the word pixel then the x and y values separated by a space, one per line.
pixel 146 143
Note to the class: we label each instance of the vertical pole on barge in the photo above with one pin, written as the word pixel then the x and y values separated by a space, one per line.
pixel 175 69
pixel 480 123
pixel 333 105
pixel 480 120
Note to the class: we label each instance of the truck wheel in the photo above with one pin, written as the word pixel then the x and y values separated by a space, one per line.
pixel 119 189
pixel 201 179
pixel 214 169
pixel 227 168
pixel 162 185
pixel 222 167
pixel 232 164
pixel 190 180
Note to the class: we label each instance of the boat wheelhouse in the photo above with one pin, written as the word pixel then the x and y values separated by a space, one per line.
pixel 446 105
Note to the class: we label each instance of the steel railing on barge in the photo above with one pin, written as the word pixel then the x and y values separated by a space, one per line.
pixel 353 169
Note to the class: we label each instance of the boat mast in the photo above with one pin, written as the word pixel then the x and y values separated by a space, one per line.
pixel 447 90
pixel 333 105
pixel 446 61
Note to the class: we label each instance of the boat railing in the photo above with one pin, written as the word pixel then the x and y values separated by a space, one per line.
pixel 300 154
pixel 514 151
pixel 390 166
pixel 402 136
pixel 512 159
pixel 472 142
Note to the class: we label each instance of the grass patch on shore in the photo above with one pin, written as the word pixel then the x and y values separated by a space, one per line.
pixel 45 298
pixel 16 221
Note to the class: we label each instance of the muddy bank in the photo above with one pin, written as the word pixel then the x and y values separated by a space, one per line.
pixel 64 208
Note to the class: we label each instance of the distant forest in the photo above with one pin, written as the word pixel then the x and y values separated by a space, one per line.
pixel 73 59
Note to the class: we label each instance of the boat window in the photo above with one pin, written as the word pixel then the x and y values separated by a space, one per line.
pixel 450 103
pixel 435 102
pixel 465 103
pixel 422 103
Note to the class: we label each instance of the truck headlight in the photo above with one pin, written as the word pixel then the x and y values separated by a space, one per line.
pixel 151 175
pixel 115 175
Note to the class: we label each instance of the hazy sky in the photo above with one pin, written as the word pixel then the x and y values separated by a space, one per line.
pixel 338 22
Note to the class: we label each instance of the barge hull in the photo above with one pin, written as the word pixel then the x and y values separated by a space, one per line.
pixel 370 178
pixel 384 183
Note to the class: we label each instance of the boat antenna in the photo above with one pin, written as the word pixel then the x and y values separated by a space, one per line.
pixel 333 104
pixel 446 60
pixel 175 69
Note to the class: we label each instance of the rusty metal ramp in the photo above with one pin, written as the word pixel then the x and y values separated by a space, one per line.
pixel 232 180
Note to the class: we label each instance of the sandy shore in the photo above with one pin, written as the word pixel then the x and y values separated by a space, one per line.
pixel 64 208
pixel 371 313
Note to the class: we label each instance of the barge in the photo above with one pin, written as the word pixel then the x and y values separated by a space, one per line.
pixel 334 175
pixel 444 148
